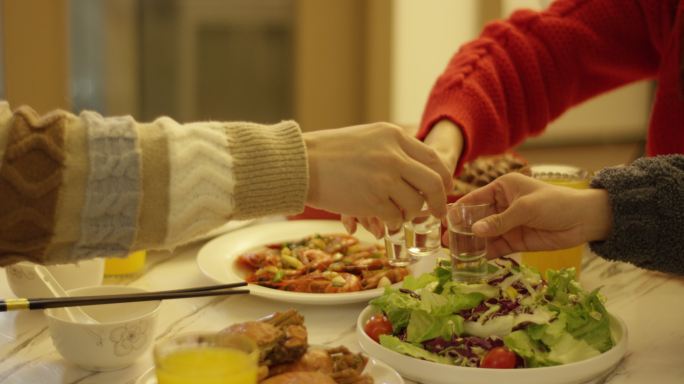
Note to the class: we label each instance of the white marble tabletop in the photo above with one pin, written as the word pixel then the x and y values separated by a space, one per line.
pixel 650 304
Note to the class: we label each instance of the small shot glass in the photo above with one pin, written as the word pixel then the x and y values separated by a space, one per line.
pixel 423 234
pixel 395 245
pixel 467 251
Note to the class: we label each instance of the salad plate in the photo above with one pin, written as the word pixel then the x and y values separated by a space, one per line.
pixel 569 358
pixel 379 371
pixel 216 259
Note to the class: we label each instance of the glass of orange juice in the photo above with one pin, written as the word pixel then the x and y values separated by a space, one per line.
pixel 205 358
pixel 567 176
pixel 122 266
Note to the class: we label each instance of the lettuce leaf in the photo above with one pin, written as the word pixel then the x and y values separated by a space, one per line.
pixel 549 344
pixel 399 346
pixel 424 326
pixel 586 316
pixel 414 283
pixel 397 307
pixel 497 326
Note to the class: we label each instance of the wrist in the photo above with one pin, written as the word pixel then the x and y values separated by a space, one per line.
pixel 598 214
pixel 446 139
pixel 313 167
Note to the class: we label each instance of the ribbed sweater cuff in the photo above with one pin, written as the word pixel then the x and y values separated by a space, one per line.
pixel 271 172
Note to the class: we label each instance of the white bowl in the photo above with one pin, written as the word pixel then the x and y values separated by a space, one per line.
pixel 124 331
pixel 24 282
pixel 586 371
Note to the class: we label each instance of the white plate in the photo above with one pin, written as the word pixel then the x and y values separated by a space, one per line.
pixel 591 370
pixel 379 371
pixel 216 259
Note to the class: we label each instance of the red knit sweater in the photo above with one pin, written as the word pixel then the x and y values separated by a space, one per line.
pixel 523 72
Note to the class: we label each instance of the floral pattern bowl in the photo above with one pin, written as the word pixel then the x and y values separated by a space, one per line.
pixel 123 332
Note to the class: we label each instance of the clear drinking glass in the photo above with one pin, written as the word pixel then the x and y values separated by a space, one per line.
pixel 132 264
pixel 567 176
pixel 206 358
pixel 423 234
pixel 395 245
pixel 467 251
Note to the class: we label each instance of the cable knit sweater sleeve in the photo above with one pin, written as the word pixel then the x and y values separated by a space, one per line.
pixel 74 187
pixel 647 199
pixel 523 72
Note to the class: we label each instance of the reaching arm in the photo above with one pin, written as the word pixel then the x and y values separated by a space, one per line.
pixel 531 215
pixel 632 213
pixel 523 72
pixel 73 187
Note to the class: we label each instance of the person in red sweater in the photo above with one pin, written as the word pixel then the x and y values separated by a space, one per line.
pixel 524 72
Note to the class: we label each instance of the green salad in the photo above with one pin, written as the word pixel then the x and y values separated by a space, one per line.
pixel 514 319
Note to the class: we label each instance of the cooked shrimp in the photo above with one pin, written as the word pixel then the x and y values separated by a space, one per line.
pixel 299 378
pixel 316 259
pixel 319 264
pixel 371 279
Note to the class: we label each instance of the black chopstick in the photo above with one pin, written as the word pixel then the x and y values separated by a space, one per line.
pixel 204 288
pixel 75 301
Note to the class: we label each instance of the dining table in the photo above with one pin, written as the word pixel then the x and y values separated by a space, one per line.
pixel 650 303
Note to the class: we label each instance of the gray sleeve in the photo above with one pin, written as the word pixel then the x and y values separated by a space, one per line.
pixel 647 199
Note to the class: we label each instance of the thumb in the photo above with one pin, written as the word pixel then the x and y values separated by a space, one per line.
pixel 500 223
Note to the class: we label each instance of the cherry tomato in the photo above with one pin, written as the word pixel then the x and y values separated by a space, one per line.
pixel 499 357
pixel 377 325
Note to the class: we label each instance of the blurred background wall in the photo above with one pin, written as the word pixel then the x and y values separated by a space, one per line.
pixel 324 63
pixel 2 61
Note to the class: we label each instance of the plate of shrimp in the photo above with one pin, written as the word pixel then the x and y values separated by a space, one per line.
pixel 305 261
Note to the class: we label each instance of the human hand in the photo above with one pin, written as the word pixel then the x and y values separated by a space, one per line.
pixel 446 140
pixel 373 224
pixel 374 170
pixel 532 215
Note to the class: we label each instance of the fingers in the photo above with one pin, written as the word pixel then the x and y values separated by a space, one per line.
pixel 408 199
pixel 388 211
pixel 375 226
pixel 482 195
pixel 428 184
pixel 507 187
pixel 497 224
pixel 497 248
pixel 445 239
pixel 428 157
pixel 349 223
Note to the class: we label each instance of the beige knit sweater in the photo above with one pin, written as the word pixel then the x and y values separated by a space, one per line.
pixel 74 187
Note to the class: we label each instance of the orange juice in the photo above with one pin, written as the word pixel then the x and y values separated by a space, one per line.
pixel 566 176
pixel 131 264
pixel 562 258
pixel 206 358
pixel 207 365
